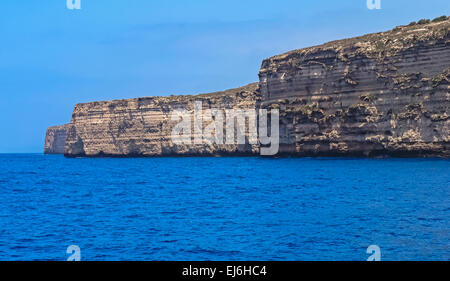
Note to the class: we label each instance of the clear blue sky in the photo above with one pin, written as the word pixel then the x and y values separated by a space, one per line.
pixel 52 58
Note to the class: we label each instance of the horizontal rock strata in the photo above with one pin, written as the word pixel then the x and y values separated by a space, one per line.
pixel 143 126
pixel 380 94
pixel 55 139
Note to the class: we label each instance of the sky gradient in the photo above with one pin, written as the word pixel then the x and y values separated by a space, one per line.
pixel 52 58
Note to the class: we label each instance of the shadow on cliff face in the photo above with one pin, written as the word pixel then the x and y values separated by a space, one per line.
pixel 76 149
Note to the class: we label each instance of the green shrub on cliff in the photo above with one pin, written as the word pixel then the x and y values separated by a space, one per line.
pixel 439 19
pixel 423 21
pixel 379 46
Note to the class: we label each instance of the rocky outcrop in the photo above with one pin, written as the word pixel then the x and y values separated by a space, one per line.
pixel 55 139
pixel 143 126
pixel 382 94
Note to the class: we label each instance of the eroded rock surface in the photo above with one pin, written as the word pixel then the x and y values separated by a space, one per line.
pixel 382 94
pixel 55 139
pixel 143 126
pixel 379 94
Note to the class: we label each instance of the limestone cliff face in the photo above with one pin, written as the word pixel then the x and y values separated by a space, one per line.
pixel 380 94
pixel 143 126
pixel 55 139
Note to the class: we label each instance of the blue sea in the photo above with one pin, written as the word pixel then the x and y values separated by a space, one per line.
pixel 223 208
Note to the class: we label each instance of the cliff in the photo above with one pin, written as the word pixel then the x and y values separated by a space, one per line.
pixel 380 94
pixel 55 139
pixel 143 126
